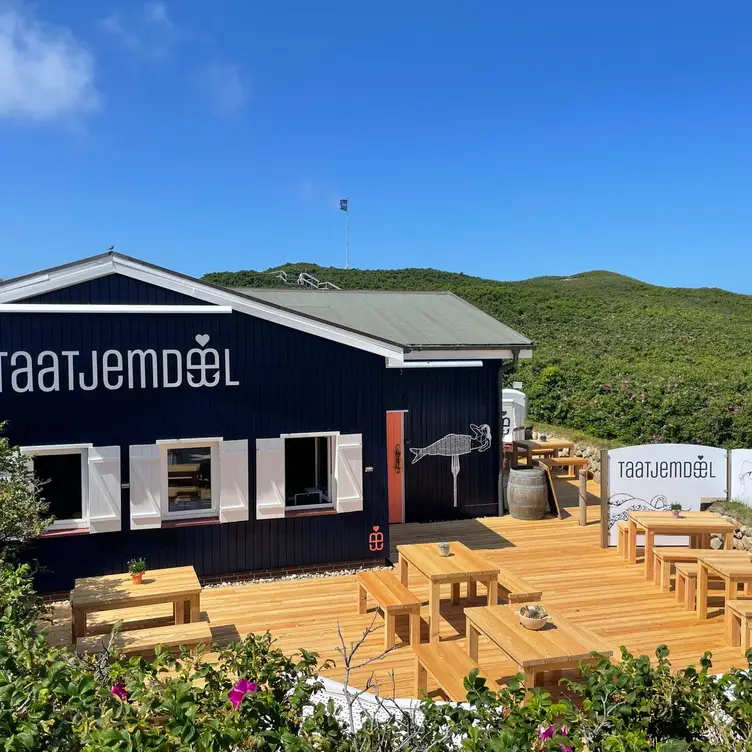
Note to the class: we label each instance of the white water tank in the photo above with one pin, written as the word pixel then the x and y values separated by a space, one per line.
pixel 513 413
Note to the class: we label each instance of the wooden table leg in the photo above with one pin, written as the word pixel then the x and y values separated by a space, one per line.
pixel 515 455
pixel 728 541
pixel 415 628
pixel 745 628
pixel 493 592
pixel 195 607
pixel 434 599
pixel 554 676
pixel 389 634
pixel 631 542
pixel 649 540
pixel 455 593
pixel 471 636
pixel 421 678
pixel 732 586
pixel 529 678
pixel 733 628
pixel 702 591
pixel 78 624
pixel 178 611
pixel 705 540
pixel 403 570
pixel 472 590
pixel 665 576
pixel 362 599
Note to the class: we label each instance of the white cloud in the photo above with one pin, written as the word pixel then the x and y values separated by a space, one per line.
pixel 45 73
pixel 151 35
pixel 224 87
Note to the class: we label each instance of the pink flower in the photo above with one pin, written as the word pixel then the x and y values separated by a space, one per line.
pixel 240 690
pixel 566 748
pixel 546 733
pixel 565 730
pixel 120 691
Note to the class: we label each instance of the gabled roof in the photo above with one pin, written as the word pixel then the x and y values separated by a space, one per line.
pixel 395 325
pixel 415 320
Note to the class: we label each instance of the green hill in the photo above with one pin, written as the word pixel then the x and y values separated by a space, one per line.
pixel 616 357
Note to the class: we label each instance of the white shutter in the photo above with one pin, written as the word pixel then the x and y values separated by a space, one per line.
pixel 146 486
pixel 104 489
pixel 348 473
pixel 270 478
pixel 233 468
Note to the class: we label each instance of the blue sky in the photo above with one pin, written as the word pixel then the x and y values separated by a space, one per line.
pixel 502 139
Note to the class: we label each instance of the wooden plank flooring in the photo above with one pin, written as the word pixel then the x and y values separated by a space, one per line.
pixel 588 584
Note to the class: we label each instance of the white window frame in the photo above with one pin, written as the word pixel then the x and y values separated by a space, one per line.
pixel 331 442
pixel 216 479
pixel 60 449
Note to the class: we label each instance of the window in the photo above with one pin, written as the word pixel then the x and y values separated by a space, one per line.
pixel 308 471
pixel 62 472
pixel 189 471
pixel 189 476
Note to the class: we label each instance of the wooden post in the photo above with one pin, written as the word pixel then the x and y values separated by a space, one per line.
pixel 605 533
pixel 583 496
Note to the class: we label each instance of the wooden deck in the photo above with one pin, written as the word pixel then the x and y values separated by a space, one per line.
pixel 589 585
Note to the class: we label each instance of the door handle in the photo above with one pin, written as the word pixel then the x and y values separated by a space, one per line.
pixel 398 459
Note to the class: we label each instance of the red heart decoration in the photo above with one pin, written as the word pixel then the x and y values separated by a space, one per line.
pixel 375 528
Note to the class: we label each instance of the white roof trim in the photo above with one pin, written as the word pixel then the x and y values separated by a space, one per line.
pixel 108 308
pixel 434 364
pixel 114 264
pixel 459 354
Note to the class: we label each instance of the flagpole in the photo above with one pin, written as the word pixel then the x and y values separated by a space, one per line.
pixel 347 236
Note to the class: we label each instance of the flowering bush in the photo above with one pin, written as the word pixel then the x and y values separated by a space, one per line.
pixel 254 697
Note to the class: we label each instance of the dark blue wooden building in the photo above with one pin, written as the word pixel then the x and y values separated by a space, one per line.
pixel 243 430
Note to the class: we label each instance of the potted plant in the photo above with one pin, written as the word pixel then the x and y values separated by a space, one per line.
pixel 137 567
pixel 676 510
pixel 533 617
pixel 444 549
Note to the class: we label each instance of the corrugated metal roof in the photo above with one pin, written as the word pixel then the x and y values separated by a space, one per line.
pixel 411 319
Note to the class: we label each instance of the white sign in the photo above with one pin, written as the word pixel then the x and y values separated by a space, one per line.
pixel 741 475
pixel 654 476
pixel 69 370
pixel 513 414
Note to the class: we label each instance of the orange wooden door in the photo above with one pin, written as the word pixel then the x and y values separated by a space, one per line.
pixel 395 461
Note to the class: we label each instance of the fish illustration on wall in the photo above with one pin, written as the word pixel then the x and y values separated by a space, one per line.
pixel 454 445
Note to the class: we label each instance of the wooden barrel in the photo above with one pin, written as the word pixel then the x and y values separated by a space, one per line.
pixel 527 493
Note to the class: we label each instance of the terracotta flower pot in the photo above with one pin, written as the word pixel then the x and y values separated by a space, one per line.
pixel 137 577
pixel 676 513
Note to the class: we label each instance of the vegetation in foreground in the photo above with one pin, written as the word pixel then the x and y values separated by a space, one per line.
pixel 616 358
pixel 256 698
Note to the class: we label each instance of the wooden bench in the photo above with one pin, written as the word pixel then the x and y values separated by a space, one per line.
pixel 738 622
pixel 449 664
pixel 570 462
pixel 622 529
pixel 686 584
pixel 516 590
pixel 664 557
pixel 144 641
pixel 393 598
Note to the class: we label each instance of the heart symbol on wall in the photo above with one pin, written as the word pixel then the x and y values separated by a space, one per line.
pixel 202 339
pixel 700 456
pixel 375 528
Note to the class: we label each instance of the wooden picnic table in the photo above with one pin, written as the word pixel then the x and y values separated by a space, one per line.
pixel 560 645
pixel 462 565
pixel 699 526
pixel 733 567
pixel 529 447
pixel 177 585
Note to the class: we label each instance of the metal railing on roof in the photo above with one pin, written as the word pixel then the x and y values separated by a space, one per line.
pixel 304 279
